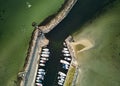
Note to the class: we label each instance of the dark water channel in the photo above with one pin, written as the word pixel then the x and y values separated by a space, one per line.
pixel 83 11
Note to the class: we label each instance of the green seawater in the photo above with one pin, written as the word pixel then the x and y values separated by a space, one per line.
pixel 16 17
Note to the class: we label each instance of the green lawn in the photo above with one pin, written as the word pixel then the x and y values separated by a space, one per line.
pixel 100 65
pixel 16 18
pixel 70 76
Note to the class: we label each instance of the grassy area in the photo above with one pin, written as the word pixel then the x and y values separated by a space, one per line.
pixel 16 17
pixel 100 65
pixel 70 76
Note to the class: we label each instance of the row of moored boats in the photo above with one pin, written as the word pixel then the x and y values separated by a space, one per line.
pixel 65 65
pixel 44 57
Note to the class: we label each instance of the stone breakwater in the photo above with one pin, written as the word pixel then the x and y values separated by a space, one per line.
pixel 29 56
pixel 62 13
pixel 58 17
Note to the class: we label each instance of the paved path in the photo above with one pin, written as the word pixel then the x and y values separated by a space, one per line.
pixel 32 69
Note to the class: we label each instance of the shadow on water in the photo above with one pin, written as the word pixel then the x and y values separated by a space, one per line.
pixel 83 11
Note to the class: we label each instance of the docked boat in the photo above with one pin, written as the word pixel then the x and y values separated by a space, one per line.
pixel 45 55
pixel 44 52
pixel 39 84
pixel 65 51
pixel 66 54
pixel 41 70
pixel 42 64
pixel 44 58
pixel 65 48
pixel 42 61
pixel 45 49
pixel 64 62
pixel 68 59
pixel 61 73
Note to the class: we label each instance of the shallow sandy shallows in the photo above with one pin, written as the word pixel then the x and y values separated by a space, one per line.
pixel 99 60
pixel 81 45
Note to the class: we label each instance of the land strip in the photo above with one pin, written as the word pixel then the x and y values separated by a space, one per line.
pixel 59 17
